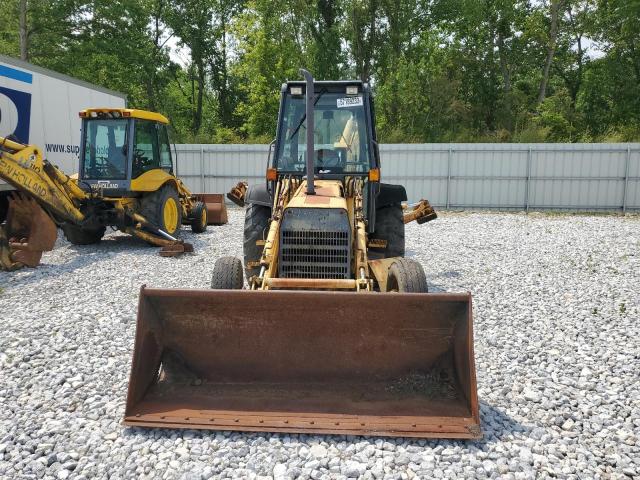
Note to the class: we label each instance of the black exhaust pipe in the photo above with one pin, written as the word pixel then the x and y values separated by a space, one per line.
pixel 309 98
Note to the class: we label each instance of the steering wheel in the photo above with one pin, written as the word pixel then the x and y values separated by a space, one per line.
pixel 328 158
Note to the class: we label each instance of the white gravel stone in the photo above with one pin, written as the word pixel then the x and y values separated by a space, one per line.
pixel 318 451
pixel 557 335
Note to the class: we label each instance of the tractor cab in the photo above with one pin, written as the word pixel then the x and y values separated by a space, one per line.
pixel 343 130
pixel 119 146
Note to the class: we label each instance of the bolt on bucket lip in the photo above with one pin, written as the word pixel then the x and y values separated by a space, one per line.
pixel 313 374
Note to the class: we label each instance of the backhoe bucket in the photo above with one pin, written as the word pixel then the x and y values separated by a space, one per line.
pixel 309 362
pixel 216 208
pixel 28 232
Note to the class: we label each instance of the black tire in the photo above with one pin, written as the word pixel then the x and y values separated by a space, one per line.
pixel 256 223
pixel 153 205
pixel 227 274
pixel 82 236
pixel 4 206
pixel 407 276
pixel 389 227
pixel 199 220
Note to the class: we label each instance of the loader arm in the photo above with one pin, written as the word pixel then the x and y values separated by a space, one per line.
pixel 23 167
pixel 45 196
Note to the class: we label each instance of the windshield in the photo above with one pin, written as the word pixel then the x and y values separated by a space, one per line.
pixel 105 149
pixel 340 135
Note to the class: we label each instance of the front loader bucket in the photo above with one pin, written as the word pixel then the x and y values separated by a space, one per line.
pixel 28 232
pixel 294 361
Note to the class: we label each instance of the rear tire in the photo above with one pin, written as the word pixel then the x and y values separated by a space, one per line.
pixel 82 236
pixel 406 276
pixel 199 221
pixel 4 206
pixel 163 209
pixel 227 274
pixel 256 223
pixel 389 227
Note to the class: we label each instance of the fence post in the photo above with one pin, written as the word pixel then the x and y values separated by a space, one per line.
pixel 449 159
pixel 527 186
pixel 626 179
pixel 202 185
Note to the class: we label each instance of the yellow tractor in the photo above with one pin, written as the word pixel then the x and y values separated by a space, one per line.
pixel 336 332
pixel 126 180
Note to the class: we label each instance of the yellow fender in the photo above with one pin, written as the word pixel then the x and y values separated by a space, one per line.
pixel 154 180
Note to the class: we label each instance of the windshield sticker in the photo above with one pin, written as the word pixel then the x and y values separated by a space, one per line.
pixel 350 102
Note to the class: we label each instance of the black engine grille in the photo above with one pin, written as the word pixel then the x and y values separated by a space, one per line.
pixel 315 243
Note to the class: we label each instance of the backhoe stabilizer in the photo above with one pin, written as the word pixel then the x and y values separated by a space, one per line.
pixel 421 212
pixel 294 361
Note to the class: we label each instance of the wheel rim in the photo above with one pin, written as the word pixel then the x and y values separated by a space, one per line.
pixel 170 215
pixel 203 217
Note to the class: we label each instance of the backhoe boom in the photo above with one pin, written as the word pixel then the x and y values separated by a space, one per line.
pixel 23 167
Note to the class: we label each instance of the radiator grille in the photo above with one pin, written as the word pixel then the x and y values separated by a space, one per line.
pixel 305 253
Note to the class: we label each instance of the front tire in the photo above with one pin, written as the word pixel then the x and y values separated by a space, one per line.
pixel 163 209
pixel 199 220
pixel 256 224
pixel 406 276
pixel 82 236
pixel 227 274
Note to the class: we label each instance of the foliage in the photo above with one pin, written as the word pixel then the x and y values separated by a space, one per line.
pixel 441 70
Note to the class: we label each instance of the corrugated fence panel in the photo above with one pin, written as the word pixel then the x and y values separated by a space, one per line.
pixel 498 179
pixel 633 187
pixel 422 169
pixel 578 177
pixel 217 168
pixel 503 176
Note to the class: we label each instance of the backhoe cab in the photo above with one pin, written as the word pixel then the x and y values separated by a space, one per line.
pixel 119 147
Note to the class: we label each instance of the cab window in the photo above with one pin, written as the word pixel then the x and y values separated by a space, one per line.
pixel 165 149
pixel 146 154
pixel 340 135
pixel 104 155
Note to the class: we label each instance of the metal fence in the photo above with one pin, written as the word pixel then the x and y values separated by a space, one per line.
pixel 462 176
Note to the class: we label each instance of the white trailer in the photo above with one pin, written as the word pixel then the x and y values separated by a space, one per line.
pixel 40 107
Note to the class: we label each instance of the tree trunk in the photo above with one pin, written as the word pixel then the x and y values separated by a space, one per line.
pixel 197 119
pixel 506 78
pixel 224 101
pixel 551 49
pixel 368 42
pixel 23 31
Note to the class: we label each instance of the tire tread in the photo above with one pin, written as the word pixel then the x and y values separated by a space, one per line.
pixel 256 222
pixel 227 274
pixel 389 227
pixel 410 275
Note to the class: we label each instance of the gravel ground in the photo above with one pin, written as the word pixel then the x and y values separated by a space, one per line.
pixel 556 311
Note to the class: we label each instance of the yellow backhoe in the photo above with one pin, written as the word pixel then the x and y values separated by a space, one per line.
pixel 336 332
pixel 126 180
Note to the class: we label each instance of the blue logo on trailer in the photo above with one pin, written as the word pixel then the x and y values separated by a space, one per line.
pixel 21 100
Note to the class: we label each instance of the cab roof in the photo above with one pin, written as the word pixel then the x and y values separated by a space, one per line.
pixel 124 112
